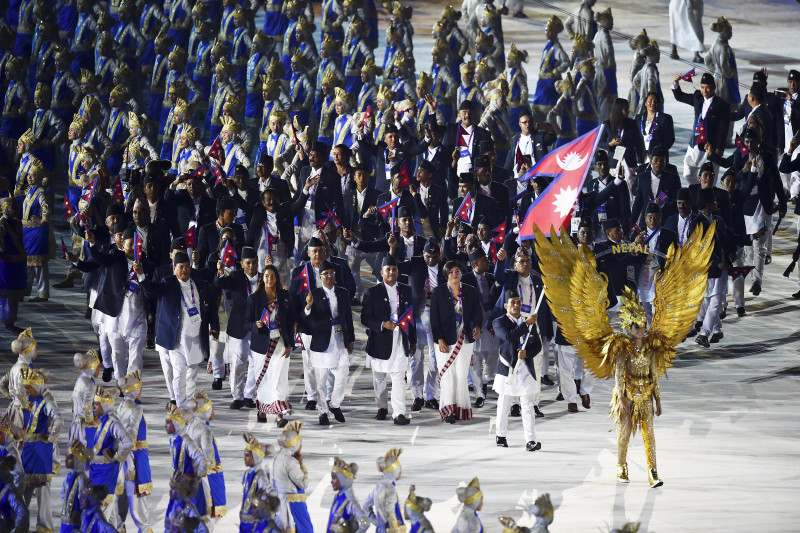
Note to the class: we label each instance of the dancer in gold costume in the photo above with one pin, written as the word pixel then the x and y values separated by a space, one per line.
pixel 638 356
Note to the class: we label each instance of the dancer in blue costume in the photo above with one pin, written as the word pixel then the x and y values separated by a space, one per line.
pixel 290 479
pixel 382 503
pixel 555 62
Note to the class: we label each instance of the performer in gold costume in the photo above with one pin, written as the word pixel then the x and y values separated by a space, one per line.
pixel 638 356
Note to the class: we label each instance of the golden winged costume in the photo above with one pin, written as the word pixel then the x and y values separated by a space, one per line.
pixel 578 297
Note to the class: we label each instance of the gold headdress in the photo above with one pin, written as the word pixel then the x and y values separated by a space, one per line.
pixel 176 415
pixel 341 96
pixel 43 91
pixel 181 107
pixel 200 10
pixel 300 59
pixel 370 67
pixel 471 493
pixel 163 40
pixel 203 403
pixel 330 44
pixel 631 311
pixel 582 44
pixel 330 79
pixel 254 446
pixel 62 53
pixel 223 66
pixel 178 55
pixel 88 360
pixel 80 452
pixel 133 120
pixel 277 114
pixel 441 48
pixel 305 26
pixel 586 64
pixel 403 61
pixel 179 89
pixel 290 437
pixel 130 383
pixel 275 69
pixel 358 25
pixel 392 460
pixel 640 40
pixel 123 72
pixel 261 39
pixel 28 138
pixel 510 525
pixel 385 93
pixel 722 25
pixel 555 25
pixel 418 504
pixel 495 89
pixel 121 94
pixel 344 469
pixel 515 54
pixel 103 395
pixel 484 40
pixel 449 13
pixel 269 84
pixel 232 104
pixel 604 17
pixel 425 82
pixel 468 67
pixel 563 85
pixel 89 78
pixel 78 124
pixel 230 125
pixel 241 13
pixel 401 11
pixel 220 48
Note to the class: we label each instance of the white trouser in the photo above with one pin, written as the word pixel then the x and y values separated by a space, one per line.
pixel 398 391
pixel 105 345
pixel 548 347
pixel 340 374
pixel 755 255
pixel 586 378
pixel 279 259
pixel 432 371
pixel 355 259
pixel 44 516
pixel 309 378
pixel 216 357
pixel 770 225
pixel 166 368
pixel 528 416
pixel 110 511
pixel 126 353
pixel 537 363
pixel 514 6
pixel 569 362
pixel 715 295
pixel 417 361
pixel 39 279
pixel 241 360
pixel 137 506
pixel 476 372
pixel 184 380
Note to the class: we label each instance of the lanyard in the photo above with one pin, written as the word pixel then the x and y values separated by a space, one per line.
pixel 458 304
pixel 683 231
pixel 655 232
pixel 530 296
pixel 191 286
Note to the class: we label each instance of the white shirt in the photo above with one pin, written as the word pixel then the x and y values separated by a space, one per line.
pixel 525 145
pixel 360 196
pixel 252 283
pixel 432 153
pixel 409 242
pixel 433 277
pixel 190 330
pixel 394 300
pixel 655 181
pixel 683 229
pixel 706 105
pixel 423 194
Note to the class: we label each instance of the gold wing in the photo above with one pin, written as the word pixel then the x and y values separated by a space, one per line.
pixel 680 287
pixel 578 298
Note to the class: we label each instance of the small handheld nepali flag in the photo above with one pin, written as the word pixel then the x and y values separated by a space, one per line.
pixel 303 278
pixel 518 158
pixel 743 151
pixel 199 171
pixel 118 195
pixel 700 133
pixel 465 210
pixel 365 118
pixel 500 238
pixel 298 342
pixel 69 211
pixel 738 272
pixel 228 255
pixel 137 247
pixel 265 317
pixel 461 134
pixel 406 319
pixel 388 207
pixel 216 151
pixel 294 134
pixel 218 174
pixel 189 236
pixel 88 193
pixel 403 175
pixel 689 75
pixel 661 198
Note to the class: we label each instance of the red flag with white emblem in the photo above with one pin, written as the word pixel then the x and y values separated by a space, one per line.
pixel 303 278
pixel 228 255
pixel 568 166
pixel 465 210
pixel 216 151
pixel 69 211
pixel 189 237
pixel 137 247
pixel 700 133
pixel 500 238
pixel 689 75
pixel 743 151
pixel 406 319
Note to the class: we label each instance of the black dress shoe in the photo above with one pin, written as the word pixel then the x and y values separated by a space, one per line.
pixel 479 402
pixel 716 337
pixel 14 330
pixel 355 301
pixel 66 283
pixel 586 402
pixel 401 420
pixel 417 405
pixel 755 289
pixel 262 418
pixel 150 344
pixel 217 384
pixel 311 405
pixel 432 404
pixel 516 410
pixel 337 414
pixel 450 419
pixel 768 259
pixel 108 373
pixel 546 380
pixel 572 408
pixel 702 340
pixel 171 402
pixel 501 441
pixel 88 313
pixel 237 404
pixel 484 388
pixel 382 414
pixel 560 397
pixel 282 423
pixel 536 410
pixel 323 420
pixel 532 446
pixel 723 314
pixel 520 15
pixel 741 312
pixel 249 403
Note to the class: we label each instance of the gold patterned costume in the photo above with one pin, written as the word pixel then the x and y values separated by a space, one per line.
pixel 578 296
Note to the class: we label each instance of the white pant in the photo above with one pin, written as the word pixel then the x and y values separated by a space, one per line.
pixel 476 371
pixel 184 378
pixel 105 345
pixel 44 517
pixel 126 353
pixel 340 374
pixel 216 356
pixel 528 416
pixel 738 283
pixel 570 368
pixel 355 259
pixel 398 391
pixel 137 506
pixel 309 378
pixel 755 255
pixel 242 372
pixel 712 302
pixel 431 372
pixel 417 361
pixel 514 6
pixel 166 368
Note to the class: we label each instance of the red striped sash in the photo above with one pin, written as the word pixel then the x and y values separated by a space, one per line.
pixel 452 357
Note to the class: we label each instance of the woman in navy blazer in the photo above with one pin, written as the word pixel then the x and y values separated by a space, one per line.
pixel 271 322
pixel 656 127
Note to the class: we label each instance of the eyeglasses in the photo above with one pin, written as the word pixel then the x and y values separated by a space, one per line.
pixel 328 274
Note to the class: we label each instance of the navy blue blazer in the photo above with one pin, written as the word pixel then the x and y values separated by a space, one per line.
pixel 254 309
pixel 417 271
pixel 236 283
pixel 443 314
pixel 509 336
pixel 319 322
pixel 375 311
pixel 170 310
